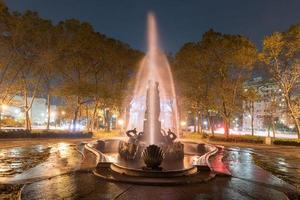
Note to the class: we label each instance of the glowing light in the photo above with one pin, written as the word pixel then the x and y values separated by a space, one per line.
pixel 183 123
pixel 63 149
pixel 4 107
pixel 154 67
pixel 121 122
pixel 205 122
pixel 53 113
pixel 63 112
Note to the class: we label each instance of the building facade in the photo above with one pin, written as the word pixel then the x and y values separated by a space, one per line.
pixel 38 112
pixel 269 107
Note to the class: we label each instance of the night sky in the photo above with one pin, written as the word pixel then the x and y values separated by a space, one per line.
pixel 179 21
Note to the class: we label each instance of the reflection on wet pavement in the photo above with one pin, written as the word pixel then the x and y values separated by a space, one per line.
pixel 248 181
pixel 243 163
pixel 80 185
pixel 18 159
pixel 21 163
pixel 73 186
pixel 287 168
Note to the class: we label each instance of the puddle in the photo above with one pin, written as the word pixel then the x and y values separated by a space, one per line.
pixel 285 168
pixel 18 159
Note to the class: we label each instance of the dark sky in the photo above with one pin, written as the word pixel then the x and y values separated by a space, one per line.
pixel 179 21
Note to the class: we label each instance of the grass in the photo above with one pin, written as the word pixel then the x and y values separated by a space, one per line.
pixel 106 135
pixel 58 134
pixel 240 139
pixel 222 138
pixel 193 136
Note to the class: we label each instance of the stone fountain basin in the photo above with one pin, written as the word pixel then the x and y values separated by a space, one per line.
pixel 195 160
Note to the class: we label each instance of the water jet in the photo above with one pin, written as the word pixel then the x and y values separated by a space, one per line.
pixel 152 151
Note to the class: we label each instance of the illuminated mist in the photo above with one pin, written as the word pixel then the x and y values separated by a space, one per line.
pixel 154 67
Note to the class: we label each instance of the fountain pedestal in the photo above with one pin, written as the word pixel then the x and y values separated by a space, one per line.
pixel 158 139
pixel 152 125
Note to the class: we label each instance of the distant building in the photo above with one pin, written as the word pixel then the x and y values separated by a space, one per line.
pixel 38 112
pixel 269 104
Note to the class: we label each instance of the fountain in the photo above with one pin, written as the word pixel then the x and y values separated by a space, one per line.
pixel 154 67
pixel 152 151
pixel 152 134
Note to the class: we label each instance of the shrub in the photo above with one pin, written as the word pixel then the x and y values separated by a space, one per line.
pixel 240 138
pixel 292 142
pixel 43 134
pixel 9 122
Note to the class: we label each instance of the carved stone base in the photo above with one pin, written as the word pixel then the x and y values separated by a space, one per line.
pixel 128 150
pixel 174 151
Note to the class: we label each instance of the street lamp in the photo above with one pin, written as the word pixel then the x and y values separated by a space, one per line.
pixel 4 106
pixel 53 114
pixel 183 123
pixel 121 123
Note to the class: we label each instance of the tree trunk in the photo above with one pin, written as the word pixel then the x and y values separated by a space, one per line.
pixel 76 114
pixel 49 111
pixel 226 126
pixel 1 117
pixel 26 111
pixel 297 125
pixel 273 129
pixel 295 119
pixel 195 124
pixel 198 123
pixel 107 120
pixel 97 123
pixel 87 118
pixel 211 124
pixel 75 119
pixel 93 124
pixel 252 118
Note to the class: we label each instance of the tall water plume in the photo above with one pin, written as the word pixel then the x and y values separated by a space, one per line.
pixel 155 68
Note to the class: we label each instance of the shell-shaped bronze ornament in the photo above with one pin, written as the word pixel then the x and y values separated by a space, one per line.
pixel 153 156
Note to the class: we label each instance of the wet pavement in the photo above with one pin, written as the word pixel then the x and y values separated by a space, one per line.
pixel 248 163
pixel 39 161
pixel 87 186
pixel 18 159
pixel 62 171
pixel 286 168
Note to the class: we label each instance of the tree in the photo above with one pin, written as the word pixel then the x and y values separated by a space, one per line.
pixel 87 69
pixel 47 60
pixel 23 41
pixel 232 57
pixel 96 70
pixel 194 75
pixel 281 55
pixel 271 110
pixel 250 96
pixel 215 69
pixel 9 70
pixel 76 42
